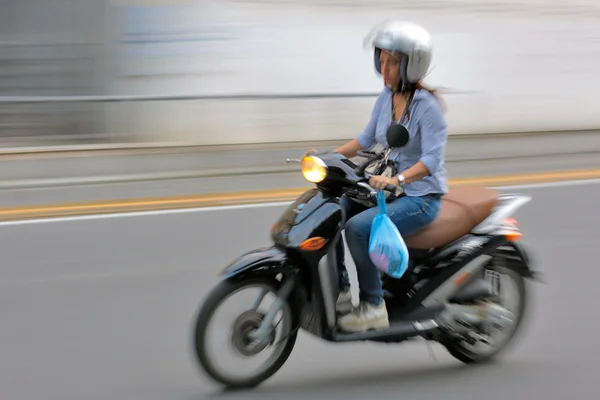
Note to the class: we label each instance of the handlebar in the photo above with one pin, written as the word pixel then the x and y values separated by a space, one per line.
pixel 360 169
pixel 389 188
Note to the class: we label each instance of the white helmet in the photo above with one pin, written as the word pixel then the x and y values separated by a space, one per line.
pixel 408 39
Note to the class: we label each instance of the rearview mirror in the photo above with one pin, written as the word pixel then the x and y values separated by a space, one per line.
pixel 397 135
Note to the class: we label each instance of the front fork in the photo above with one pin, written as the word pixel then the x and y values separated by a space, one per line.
pixel 262 333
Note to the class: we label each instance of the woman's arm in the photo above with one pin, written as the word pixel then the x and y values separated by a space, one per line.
pixel 349 149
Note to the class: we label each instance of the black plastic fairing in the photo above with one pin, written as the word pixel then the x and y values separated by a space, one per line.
pixel 315 214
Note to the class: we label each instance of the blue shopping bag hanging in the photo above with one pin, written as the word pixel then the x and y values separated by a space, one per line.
pixel 387 248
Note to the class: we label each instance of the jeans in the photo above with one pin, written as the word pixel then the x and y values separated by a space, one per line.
pixel 410 214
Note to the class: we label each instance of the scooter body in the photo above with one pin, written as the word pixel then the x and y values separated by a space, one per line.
pixel 432 281
pixel 445 295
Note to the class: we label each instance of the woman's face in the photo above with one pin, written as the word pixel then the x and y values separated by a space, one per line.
pixel 390 68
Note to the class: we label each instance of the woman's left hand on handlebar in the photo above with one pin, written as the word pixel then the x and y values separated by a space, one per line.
pixel 310 152
pixel 379 182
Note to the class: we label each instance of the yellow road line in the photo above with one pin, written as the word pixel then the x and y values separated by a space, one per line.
pixel 222 199
pixel 528 178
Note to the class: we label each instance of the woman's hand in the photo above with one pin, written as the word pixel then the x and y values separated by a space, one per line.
pixel 379 182
pixel 310 152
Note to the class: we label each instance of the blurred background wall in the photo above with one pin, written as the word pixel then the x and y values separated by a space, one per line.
pixel 149 70
pixel 51 48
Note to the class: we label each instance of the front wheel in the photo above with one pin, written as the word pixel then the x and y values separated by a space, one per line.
pixel 236 335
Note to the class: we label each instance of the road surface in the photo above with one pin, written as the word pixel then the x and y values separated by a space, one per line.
pixel 102 308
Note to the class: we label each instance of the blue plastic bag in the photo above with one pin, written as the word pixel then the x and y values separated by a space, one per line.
pixel 387 248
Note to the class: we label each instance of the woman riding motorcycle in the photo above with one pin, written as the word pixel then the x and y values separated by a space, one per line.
pixel 402 55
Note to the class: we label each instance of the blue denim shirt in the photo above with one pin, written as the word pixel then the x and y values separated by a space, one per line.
pixel 427 127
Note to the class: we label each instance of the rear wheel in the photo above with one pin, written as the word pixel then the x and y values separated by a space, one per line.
pixel 237 334
pixel 483 346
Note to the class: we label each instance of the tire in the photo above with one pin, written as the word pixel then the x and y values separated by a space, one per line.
pixel 221 292
pixel 463 354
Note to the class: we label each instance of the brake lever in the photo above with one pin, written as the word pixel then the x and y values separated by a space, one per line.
pixel 373 192
pixel 368 187
pixel 290 160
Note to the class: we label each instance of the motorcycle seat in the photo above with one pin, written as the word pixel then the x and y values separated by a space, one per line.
pixel 462 209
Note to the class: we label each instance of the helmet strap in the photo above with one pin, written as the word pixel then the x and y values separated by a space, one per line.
pixel 403 87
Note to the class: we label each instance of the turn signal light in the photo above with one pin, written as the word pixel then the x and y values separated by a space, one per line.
pixel 313 244
pixel 512 234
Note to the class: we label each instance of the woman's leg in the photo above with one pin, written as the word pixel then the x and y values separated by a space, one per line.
pixel 409 214
pixel 344 301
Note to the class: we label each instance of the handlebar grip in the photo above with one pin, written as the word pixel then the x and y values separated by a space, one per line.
pixel 391 188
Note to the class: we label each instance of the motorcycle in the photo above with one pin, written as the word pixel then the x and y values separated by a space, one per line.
pixel 450 293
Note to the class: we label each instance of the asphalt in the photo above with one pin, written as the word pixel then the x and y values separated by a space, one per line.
pixel 103 308
pixel 56 178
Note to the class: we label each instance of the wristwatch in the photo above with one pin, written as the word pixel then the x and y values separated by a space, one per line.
pixel 401 179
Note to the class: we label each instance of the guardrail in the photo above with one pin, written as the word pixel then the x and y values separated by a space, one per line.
pixel 225 119
pixel 47 68
pixel 47 120
pixel 249 96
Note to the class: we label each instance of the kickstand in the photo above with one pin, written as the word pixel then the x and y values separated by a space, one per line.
pixel 431 352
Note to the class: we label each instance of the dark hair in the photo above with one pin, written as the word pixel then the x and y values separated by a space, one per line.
pixel 419 85
pixel 434 92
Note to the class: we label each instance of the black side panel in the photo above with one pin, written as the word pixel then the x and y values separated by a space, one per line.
pixel 313 214
pixel 302 208
pixel 324 222
pixel 468 252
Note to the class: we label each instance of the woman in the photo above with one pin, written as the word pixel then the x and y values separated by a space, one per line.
pixel 402 56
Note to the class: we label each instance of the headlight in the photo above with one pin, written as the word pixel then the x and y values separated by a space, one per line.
pixel 314 169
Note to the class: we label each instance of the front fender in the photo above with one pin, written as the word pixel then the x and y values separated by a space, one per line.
pixel 265 261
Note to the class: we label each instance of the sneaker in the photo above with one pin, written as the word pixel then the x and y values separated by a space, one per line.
pixel 367 316
pixel 344 303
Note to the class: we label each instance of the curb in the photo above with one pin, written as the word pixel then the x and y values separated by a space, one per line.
pixel 132 178
pixel 194 147
pixel 42 183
